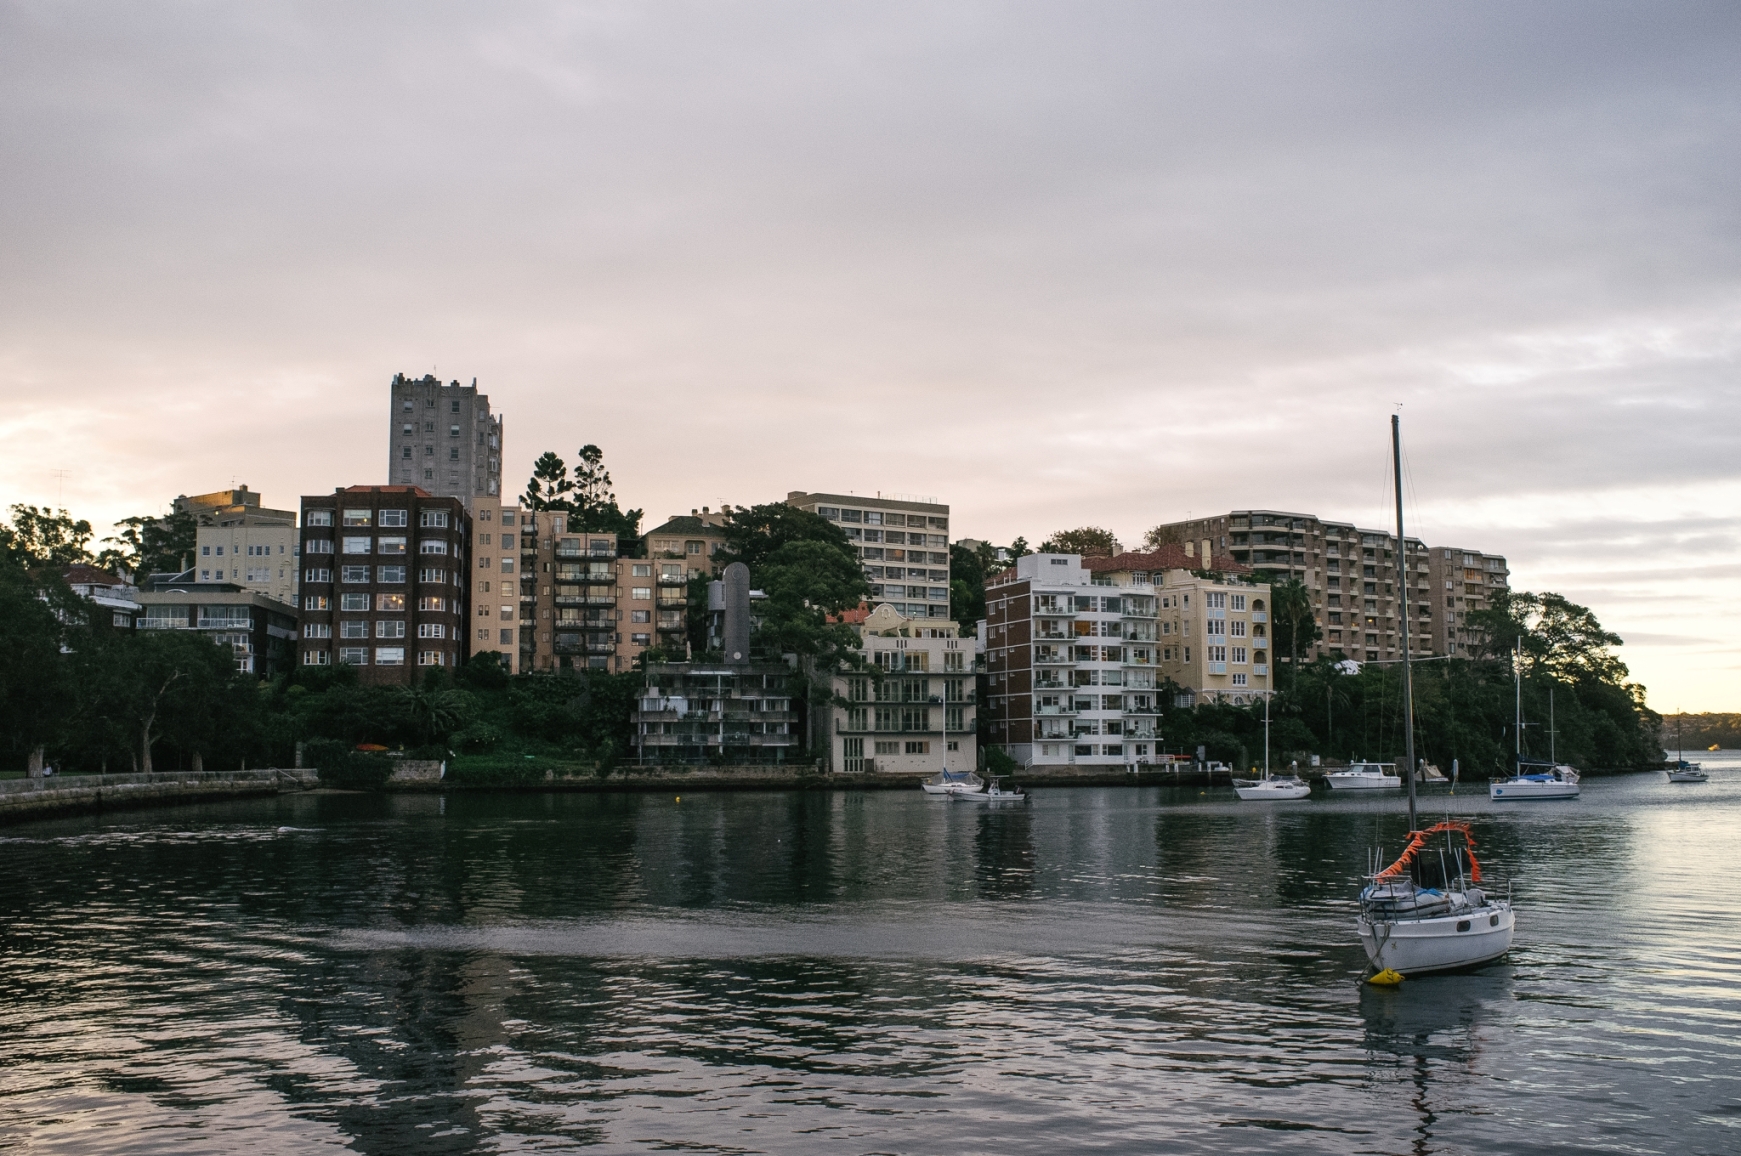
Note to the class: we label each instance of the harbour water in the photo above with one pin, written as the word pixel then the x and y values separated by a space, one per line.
pixel 1122 970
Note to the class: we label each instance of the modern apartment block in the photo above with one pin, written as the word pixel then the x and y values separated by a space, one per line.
pixel 695 538
pixel 917 713
pixel 239 541
pixel 1072 663
pixel 258 629
pixel 902 543
pixel 729 712
pixel 444 440
pixel 500 531
pixel 1352 576
pixel 384 581
pixel 1462 581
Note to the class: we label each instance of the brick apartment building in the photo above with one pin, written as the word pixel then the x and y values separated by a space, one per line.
pixel 384 581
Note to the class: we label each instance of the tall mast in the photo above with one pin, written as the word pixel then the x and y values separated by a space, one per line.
pixel 1402 574
pixel 1517 695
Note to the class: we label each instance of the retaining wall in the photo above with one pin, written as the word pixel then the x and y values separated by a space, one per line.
pixel 63 794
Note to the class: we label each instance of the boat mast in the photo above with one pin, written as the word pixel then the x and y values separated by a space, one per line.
pixel 1266 736
pixel 1552 758
pixel 1517 696
pixel 1402 574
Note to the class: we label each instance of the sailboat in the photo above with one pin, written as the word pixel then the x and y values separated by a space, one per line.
pixel 1267 788
pixel 1531 778
pixel 1683 771
pixel 1426 912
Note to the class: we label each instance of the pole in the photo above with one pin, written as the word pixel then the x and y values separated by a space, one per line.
pixel 1517 696
pixel 1402 573
pixel 1266 736
pixel 1552 757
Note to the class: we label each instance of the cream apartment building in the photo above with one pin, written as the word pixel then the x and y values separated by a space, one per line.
pixel 237 540
pixel 903 544
pixel 916 714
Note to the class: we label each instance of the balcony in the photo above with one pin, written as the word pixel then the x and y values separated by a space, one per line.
pixel 1259 616
pixel 1217 667
pixel 1054 711
pixel 1259 668
pixel 601 648
pixel 1052 658
pixel 673 580
pixel 1054 612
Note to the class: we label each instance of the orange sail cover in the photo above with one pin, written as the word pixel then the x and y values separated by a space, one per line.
pixel 1418 840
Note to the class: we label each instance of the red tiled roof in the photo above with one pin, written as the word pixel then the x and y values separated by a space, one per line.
pixel 89 576
pixel 852 617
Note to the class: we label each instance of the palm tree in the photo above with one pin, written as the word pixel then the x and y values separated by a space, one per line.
pixel 1291 606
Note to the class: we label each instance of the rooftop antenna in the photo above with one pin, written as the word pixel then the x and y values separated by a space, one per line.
pixel 60 487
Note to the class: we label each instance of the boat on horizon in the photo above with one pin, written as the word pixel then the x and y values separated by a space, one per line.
pixel 1365 777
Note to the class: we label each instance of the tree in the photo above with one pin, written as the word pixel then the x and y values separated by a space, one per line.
pixel 808 583
pixel 1295 628
pixel 967 571
pixel 43 537
pixel 1558 636
pixel 35 681
pixel 433 714
pixel 1088 541
pixel 152 545
pixel 1019 549
pixel 1163 536
pixel 163 685
pixel 549 487
pixel 755 534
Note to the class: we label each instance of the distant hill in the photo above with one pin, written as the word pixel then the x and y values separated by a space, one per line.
pixel 1699 731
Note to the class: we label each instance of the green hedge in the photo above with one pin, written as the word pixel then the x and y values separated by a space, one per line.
pixel 340 766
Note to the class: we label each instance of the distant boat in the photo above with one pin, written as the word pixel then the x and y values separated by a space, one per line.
pixel 953 783
pixel 1685 772
pixel 996 793
pixel 1531 778
pixel 1365 777
pixel 1272 790
pixel 1427 911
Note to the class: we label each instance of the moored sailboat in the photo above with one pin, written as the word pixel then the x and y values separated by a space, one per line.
pixel 1427 911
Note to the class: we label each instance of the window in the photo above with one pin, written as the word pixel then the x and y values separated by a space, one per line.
pixel 507 565
pixel 433 518
pixel 390 574
pixel 507 638
pixel 354 628
pixel 641 639
pixel 353 602
pixel 317 602
pixel 390 603
pixel 1239 680
pixel 354 655
pixel 312 546
pixel 1239 655
pixel 432 546
pixel 389 656
pixel 484 562
pixel 355 545
pixel 432 574
pixel 358 517
pixel 919 748
pixel 484 611
pixel 308 575
pixel 431 630
pixel 205 551
pixel 317 630
pixel 453 454
pixel 1215 600
pixel 317 658
pixel 432 602
pixel 505 612
pixel 317 517
pixel 430 658
pixel 884 747
pixel 641 570
pixel 641 592
pixel 353 573
pixel 394 545
pixel 640 616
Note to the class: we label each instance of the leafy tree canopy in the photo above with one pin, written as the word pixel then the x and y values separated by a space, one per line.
pixel 1088 541
pixel 1163 536
pixel 149 545
pixel 587 495
pixel 549 486
pixel 44 537
pixel 754 534
pixel 1558 636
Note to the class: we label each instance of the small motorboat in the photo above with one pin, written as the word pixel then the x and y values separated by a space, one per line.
pixel 1535 780
pixel 1365 777
pixel 1272 790
pixel 946 783
pixel 1427 912
pixel 995 793
pixel 1685 772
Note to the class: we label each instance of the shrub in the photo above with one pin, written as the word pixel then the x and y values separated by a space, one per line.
pixel 340 766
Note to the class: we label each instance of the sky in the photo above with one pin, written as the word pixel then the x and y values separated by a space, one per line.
pixel 1054 264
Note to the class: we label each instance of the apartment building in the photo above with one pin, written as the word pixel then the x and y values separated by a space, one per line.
pixel 384 581
pixel 1461 582
pixel 260 631
pixel 1351 574
pixel 1072 663
pixel 695 538
pixel 444 440
pixel 499 529
pixel 739 713
pixel 584 607
pixel 903 544
pixel 917 713
pixel 111 595
pixel 238 540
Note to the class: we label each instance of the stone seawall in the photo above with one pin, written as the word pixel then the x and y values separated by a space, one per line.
pixel 22 799
pixel 795 777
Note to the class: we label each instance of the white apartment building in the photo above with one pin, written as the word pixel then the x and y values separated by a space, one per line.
pixel 903 544
pixel 1072 661
pixel 917 714
pixel 239 541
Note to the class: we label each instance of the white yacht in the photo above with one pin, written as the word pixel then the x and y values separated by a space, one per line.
pixel 1427 911
pixel 996 793
pixel 1365 777
pixel 1685 772
pixel 953 783
pixel 1272 790
pixel 1536 781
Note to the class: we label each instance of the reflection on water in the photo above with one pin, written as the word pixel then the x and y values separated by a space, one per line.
pixel 1132 970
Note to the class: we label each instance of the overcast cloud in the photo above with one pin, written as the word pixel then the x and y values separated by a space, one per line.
pixel 1053 263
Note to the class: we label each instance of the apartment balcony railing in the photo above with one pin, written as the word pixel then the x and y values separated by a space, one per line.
pixel 673 580
pixel 1259 616
pixel 1052 658
pixel 1054 612
pixel 1051 636
pixel 1054 711
pixel 601 648
pixel 1217 668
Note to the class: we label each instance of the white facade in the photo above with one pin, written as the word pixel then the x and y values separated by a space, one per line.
pixel 258 556
pixel 916 713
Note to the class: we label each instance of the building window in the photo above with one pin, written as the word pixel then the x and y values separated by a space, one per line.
pixel 354 655
pixel 308 576
pixel 353 573
pixel 432 546
pixel 431 630
pixel 317 517
pixel 640 616
pixel 317 602
pixel 432 602
pixel 919 748
pixel 394 545
pixel 431 574
pixel 317 658
pixel 433 518
pixel 354 602
pixel 389 656
pixel 641 639
pixel 354 628
pixel 643 592
pixel 312 546
pixel 391 574
pixel 391 518
pixel 390 603
pixel 428 658
pixel 507 638
pixel 358 517
pixel 1239 680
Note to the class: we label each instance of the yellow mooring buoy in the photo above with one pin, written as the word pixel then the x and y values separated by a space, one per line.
pixel 679 798
pixel 1386 978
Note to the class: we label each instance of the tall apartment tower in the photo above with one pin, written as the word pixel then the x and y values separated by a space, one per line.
pixel 1352 575
pixel 443 439
pixel 902 542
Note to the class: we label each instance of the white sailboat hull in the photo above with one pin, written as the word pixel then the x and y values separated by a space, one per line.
pixel 952 788
pixel 1417 946
pixel 1514 790
pixel 1274 790
pixel 1688 777
pixel 1345 782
